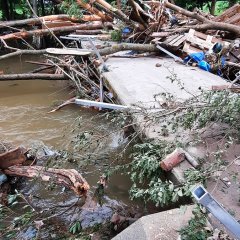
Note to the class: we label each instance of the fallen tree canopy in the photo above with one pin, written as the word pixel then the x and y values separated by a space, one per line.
pixel 67 177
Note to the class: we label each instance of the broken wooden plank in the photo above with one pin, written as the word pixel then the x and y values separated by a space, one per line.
pixel 197 41
pixel 160 34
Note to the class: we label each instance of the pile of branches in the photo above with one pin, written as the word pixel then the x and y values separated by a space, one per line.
pixel 138 24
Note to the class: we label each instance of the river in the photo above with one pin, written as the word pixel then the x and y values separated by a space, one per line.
pixel 24 120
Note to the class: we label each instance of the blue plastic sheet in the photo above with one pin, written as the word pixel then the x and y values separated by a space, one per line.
pixel 204 65
pixel 197 57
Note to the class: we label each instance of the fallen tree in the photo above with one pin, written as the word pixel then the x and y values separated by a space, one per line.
pixel 40 20
pixel 32 76
pixel 104 51
pixel 56 30
pixel 67 177
pixel 206 23
pixel 93 10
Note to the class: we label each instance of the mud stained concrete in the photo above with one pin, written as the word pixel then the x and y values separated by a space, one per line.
pixel 159 226
pixel 137 80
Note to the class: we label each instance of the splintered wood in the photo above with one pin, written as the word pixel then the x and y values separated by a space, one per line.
pixel 70 178
pixel 10 164
pixel 12 157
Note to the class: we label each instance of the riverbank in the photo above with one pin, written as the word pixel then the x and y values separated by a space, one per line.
pixel 140 82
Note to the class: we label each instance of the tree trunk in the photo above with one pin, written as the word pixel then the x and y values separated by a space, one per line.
pixel 34 6
pixel 31 76
pixel 11 10
pixel 128 46
pixel 103 52
pixel 56 30
pixel 67 177
pixel 118 13
pixel 211 25
pixel 93 10
pixel 38 21
pixel 232 2
pixel 42 7
pixel 213 6
pixel 5 9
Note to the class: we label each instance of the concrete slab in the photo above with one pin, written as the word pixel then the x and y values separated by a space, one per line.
pixel 136 80
pixel 159 226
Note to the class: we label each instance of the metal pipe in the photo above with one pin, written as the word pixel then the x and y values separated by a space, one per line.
pixel 204 198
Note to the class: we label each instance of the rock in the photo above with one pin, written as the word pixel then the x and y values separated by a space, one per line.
pixel 237 162
pixel 225 179
pixel 158 65
pixel 3 178
pixel 89 218
pixel 30 233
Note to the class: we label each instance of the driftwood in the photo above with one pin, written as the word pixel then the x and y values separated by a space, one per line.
pixel 43 68
pixel 67 177
pixel 68 102
pixel 12 157
pixel 32 76
pixel 56 30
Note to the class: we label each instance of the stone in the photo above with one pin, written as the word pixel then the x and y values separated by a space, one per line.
pixel 3 178
pixel 162 226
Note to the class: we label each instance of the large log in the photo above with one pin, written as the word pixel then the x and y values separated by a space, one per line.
pixel 93 10
pixel 207 24
pixel 128 46
pixel 32 76
pixel 120 15
pixel 103 52
pixel 38 21
pixel 56 30
pixel 67 177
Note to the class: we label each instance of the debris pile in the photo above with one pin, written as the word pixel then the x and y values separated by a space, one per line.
pixel 192 38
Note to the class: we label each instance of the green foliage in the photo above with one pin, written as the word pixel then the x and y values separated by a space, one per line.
pixel 71 8
pixel 75 228
pixel 220 7
pixel 196 228
pixel 116 35
pixel 23 219
pixel 146 159
pixel 145 171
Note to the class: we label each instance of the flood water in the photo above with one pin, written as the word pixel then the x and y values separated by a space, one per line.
pixel 24 120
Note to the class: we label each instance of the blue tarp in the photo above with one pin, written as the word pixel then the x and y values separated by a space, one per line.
pixel 199 59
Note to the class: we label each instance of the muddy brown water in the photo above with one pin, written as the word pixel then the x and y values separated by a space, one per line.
pixel 24 121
